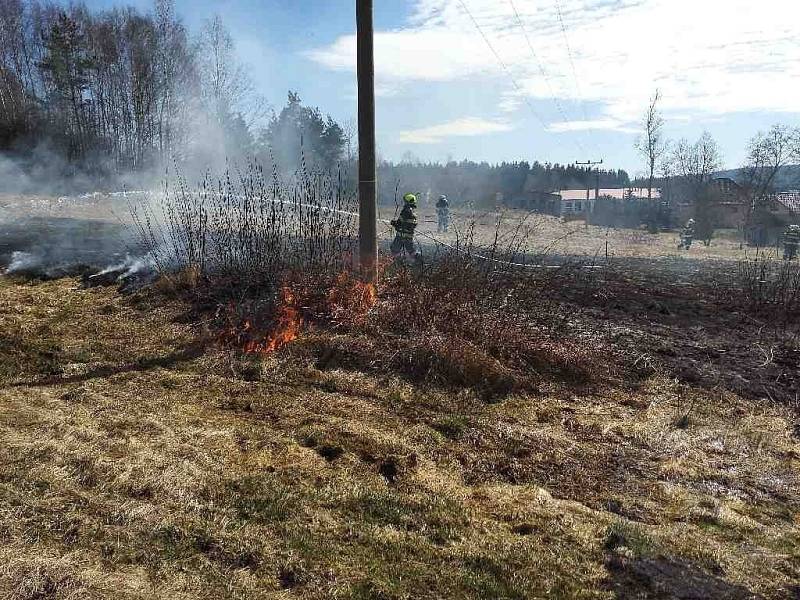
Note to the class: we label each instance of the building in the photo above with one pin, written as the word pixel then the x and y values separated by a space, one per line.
pixel 787 204
pixel 613 207
pixel 767 227
pixel 575 204
pixel 720 204
pixel 546 203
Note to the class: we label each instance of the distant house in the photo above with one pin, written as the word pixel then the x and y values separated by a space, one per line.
pixel 787 204
pixel 767 227
pixel 575 204
pixel 727 204
pixel 613 207
pixel 546 203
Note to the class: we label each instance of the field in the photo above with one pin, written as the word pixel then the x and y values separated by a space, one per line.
pixel 551 235
pixel 143 458
pixel 542 233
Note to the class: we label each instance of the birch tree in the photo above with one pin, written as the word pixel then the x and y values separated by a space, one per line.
pixel 651 144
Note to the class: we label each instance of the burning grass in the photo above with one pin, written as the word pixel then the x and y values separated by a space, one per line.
pixel 200 478
pixel 261 256
pixel 453 325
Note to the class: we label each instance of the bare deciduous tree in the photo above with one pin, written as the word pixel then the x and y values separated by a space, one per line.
pixel 226 86
pixel 652 145
pixel 696 164
pixel 350 131
pixel 767 154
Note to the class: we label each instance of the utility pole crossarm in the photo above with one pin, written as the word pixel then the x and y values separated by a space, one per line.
pixel 593 163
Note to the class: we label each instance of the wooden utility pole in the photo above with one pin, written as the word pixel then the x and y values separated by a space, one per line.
pixel 367 189
pixel 593 163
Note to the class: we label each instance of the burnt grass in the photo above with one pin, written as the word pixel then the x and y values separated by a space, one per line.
pixel 695 321
pixel 457 325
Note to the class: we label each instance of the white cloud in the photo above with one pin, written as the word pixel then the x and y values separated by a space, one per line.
pixel 708 57
pixel 468 126
pixel 411 54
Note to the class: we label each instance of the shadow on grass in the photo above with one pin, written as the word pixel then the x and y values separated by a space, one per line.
pixel 662 577
pixel 185 354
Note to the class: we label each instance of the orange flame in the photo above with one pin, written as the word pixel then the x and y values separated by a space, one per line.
pixel 351 297
pixel 348 301
pixel 286 330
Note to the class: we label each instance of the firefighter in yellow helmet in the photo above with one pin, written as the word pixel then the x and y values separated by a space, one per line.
pixel 404 226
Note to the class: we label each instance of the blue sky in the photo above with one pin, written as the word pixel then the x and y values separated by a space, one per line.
pixel 569 93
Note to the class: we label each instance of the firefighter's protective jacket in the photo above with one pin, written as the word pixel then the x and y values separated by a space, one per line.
pixel 792 236
pixel 406 223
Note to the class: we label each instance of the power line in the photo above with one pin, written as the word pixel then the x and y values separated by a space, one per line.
pixel 503 64
pixel 574 71
pixel 542 70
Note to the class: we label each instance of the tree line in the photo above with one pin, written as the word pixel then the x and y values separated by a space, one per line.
pixel 484 184
pixel 97 87
pixel 124 90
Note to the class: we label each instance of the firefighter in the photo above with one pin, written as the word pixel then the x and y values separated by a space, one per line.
pixel 687 235
pixel 791 239
pixel 443 213
pixel 404 226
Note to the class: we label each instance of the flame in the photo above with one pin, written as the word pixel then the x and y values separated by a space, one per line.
pixel 286 330
pixel 347 302
pixel 351 297
pixel 366 295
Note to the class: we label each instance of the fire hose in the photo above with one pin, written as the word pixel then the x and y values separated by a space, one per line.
pixel 386 222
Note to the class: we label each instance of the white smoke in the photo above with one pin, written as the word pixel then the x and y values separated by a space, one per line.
pixel 67 236
pixel 132 265
pixel 22 262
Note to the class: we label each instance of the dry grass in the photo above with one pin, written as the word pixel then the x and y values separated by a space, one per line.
pixel 456 325
pixel 135 467
pixel 546 234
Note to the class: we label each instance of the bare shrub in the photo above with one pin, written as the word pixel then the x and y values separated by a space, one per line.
pixel 270 259
pixel 465 322
pixel 245 230
pixel 768 285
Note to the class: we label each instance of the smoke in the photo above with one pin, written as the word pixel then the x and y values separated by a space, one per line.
pixel 57 220
pixel 60 219
pixel 130 267
pixel 45 244
pixel 22 262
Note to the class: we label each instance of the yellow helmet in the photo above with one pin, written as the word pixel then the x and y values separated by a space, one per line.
pixel 410 199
